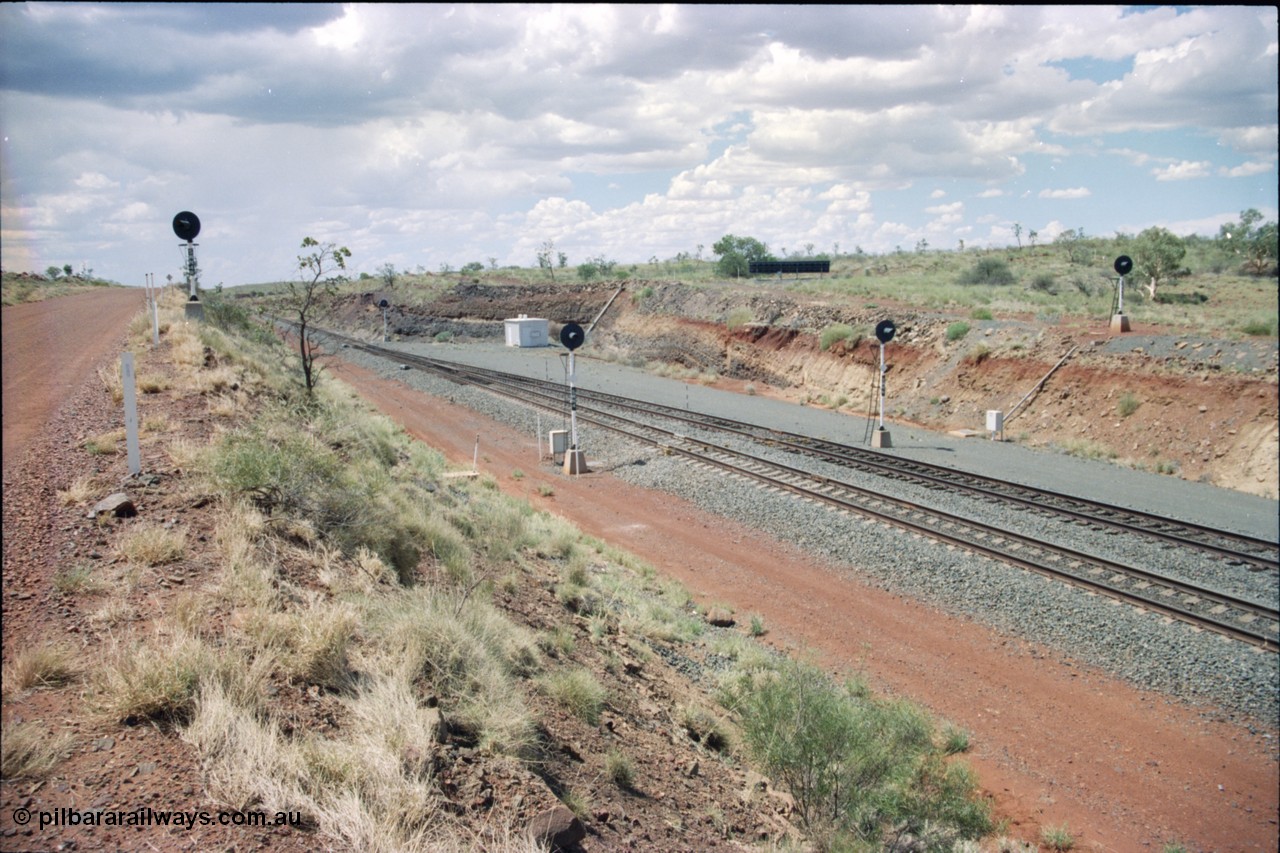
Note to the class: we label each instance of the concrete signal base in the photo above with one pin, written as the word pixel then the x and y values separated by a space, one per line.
pixel 1119 323
pixel 195 311
pixel 575 462
pixel 881 438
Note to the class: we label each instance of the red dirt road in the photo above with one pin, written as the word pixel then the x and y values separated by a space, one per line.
pixel 50 347
pixel 1054 742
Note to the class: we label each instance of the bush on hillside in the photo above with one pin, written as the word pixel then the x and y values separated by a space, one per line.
pixel 990 271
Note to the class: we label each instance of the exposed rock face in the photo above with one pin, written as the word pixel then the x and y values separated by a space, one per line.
pixel 557 827
pixel 118 505
pixel 1208 407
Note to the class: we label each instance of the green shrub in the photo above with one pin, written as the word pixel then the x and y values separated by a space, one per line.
pixel 1127 405
pixel 739 317
pixel 289 472
pixel 956 331
pixel 620 770
pixel 1261 328
pixel 855 764
pixel 1057 838
pixel 1044 283
pixel 989 271
pixel 957 740
pixel 578 691
pixel 982 314
pixel 833 333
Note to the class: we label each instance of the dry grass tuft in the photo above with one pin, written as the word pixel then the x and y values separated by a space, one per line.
pixel 152 545
pixel 27 751
pixel 112 381
pixel 105 444
pixel 81 490
pixel 43 666
pixel 153 680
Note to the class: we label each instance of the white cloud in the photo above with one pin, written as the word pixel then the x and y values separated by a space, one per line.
pixel 1183 171
pixel 1074 192
pixel 946 209
pixel 1247 170
pixel 95 181
pixel 430 133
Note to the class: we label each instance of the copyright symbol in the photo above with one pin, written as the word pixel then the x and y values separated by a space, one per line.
pixel 22 816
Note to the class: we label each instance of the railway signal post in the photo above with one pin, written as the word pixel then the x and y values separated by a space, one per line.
pixel 187 226
pixel 575 461
pixel 1120 320
pixel 884 333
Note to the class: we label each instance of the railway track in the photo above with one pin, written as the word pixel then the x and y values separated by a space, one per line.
pixel 1253 622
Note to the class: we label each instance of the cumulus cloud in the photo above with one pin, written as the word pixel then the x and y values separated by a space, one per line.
pixel 1247 170
pixel 428 133
pixel 1184 171
pixel 1074 192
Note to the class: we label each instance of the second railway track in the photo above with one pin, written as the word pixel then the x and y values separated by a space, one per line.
pixel 1252 621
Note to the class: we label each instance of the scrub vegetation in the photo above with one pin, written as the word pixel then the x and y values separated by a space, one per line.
pixel 348 572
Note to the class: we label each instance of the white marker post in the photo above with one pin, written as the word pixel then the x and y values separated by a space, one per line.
pixel 130 413
pixel 155 310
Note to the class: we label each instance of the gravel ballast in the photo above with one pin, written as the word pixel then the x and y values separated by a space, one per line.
pixel 1145 649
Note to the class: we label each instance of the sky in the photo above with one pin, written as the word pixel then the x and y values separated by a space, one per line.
pixel 428 136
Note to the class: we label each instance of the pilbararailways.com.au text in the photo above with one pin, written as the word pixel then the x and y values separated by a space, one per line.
pixel 147 816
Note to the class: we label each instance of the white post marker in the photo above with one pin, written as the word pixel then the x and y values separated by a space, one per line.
pixel 130 413
pixel 155 313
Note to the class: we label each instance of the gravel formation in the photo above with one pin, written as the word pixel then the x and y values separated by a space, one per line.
pixel 1149 651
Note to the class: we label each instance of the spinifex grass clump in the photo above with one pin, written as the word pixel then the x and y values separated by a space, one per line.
pixel 860 768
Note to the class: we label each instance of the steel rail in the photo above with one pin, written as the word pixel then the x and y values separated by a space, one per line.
pixel 1177 532
pixel 1004 545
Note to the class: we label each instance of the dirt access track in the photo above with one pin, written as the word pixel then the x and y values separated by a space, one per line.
pixel 1054 742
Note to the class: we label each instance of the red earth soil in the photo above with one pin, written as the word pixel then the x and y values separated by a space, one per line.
pixel 1055 742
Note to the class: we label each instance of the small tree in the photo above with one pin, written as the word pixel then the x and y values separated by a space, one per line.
pixel 596 267
pixel 544 257
pixel 1158 255
pixel 53 272
pixel 388 274
pixel 989 271
pixel 737 253
pixel 315 285
pixel 1256 244
pixel 1078 250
